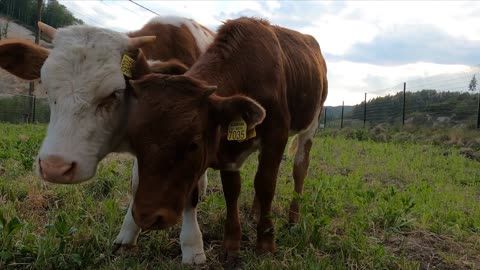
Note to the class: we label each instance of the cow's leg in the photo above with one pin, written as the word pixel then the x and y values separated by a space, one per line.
pixel 191 237
pixel 203 182
pixel 129 232
pixel 192 244
pixel 255 211
pixel 232 233
pixel 265 182
pixel 300 167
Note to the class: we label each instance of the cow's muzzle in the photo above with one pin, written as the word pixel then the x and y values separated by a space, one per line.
pixel 161 219
pixel 56 170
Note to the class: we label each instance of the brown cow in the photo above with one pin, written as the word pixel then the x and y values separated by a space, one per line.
pixel 84 77
pixel 271 84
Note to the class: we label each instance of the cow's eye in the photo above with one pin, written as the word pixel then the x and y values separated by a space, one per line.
pixel 109 101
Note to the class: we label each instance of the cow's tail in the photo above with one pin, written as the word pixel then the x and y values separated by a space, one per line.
pixel 293 147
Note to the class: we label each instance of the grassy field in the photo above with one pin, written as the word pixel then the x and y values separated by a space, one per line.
pixel 367 205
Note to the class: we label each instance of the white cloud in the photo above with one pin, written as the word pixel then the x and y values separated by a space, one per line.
pixel 349 81
pixel 455 17
pixel 338 26
pixel 331 31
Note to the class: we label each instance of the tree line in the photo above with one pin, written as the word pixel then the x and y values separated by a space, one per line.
pixel 25 12
pixel 431 103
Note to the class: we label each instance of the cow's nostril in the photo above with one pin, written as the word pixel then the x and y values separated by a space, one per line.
pixel 70 171
pixel 159 222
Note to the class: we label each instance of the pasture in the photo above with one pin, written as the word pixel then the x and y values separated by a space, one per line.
pixel 367 205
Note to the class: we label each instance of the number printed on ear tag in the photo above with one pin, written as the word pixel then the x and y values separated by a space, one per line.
pixel 237 130
pixel 126 65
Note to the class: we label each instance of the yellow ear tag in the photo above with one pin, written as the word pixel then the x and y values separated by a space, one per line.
pixel 251 134
pixel 237 130
pixel 126 65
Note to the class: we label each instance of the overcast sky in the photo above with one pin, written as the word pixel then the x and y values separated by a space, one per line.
pixel 368 45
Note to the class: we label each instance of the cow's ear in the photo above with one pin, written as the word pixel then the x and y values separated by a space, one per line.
pixel 23 59
pixel 171 67
pixel 137 89
pixel 229 109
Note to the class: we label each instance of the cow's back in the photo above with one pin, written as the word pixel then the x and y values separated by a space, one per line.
pixel 281 69
pixel 306 79
pixel 247 54
pixel 177 37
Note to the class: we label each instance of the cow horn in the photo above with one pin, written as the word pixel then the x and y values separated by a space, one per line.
pixel 209 90
pixel 47 29
pixel 137 42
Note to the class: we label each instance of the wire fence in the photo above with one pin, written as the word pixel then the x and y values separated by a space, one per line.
pixel 22 109
pixel 450 100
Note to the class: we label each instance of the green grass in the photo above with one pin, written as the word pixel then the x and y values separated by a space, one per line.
pixel 367 205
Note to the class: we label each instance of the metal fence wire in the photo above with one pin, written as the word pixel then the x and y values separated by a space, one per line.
pixel 20 109
pixel 450 100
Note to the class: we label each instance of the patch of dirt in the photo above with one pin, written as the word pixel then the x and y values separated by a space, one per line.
pixel 329 170
pixel 23 137
pixel 36 205
pixel 470 153
pixel 434 251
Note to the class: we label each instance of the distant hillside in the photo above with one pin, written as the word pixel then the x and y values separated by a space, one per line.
pixel 335 112
pixel 423 107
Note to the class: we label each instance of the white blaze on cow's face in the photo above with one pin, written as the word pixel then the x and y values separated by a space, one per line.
pixel 85 88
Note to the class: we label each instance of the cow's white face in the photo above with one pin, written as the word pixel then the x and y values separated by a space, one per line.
pixel 85 88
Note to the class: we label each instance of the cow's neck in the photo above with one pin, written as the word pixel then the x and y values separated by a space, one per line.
pixel 120 142
pixel 208 68
pixel 230 155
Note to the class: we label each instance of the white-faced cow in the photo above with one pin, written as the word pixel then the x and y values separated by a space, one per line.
pixel 86 78
pixel 271 83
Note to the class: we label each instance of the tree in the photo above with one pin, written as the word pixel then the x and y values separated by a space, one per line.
pixel 473 84
pixel 24 12
pixel 57 15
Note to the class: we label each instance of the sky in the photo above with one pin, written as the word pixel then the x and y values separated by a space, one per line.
pixel 369 46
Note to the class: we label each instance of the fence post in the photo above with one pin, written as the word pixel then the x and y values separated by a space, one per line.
pixel 31 87
pixel 343 107
pixel 33 109
pixel 325 119
pixel 478 110
pixel 404 98
pixel 365 111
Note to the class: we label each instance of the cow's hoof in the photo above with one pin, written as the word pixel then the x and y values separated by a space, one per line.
pixel 293 219
pixel 264 247
pixel 193 258
pixel 117 249
pixel 125 240
pixel 231 260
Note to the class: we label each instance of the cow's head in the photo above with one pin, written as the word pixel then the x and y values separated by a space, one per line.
pixel 175 128
pixel 86 90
